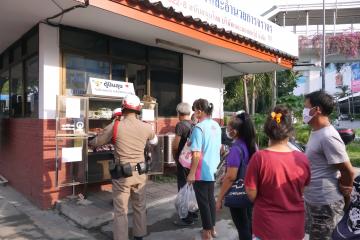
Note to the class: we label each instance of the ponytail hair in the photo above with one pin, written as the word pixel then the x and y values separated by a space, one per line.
pixel 245 128
pixel 203 105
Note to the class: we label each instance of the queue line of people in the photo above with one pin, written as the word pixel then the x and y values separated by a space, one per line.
pixel 282 184
pixel 291 191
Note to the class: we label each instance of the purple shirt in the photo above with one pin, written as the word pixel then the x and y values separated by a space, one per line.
pixel 236 155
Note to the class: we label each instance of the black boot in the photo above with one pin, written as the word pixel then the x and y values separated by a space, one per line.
pixel 138 238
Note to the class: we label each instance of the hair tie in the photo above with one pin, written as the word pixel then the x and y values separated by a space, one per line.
pixel 276 116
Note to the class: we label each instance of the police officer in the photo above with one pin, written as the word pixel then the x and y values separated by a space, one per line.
pixel 130 137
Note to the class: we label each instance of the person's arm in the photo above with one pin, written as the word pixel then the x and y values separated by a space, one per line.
pixel 175 145
pixel 103 137
pixel 252 177
pixel 251 193
pixel 347 177
pixel 194 164
pixel 335 152
pixel 196 148
pixel 230 177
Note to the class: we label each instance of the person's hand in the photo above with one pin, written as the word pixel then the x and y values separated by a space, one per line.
pixel 345 190
pixel 218 205
pixel 190 178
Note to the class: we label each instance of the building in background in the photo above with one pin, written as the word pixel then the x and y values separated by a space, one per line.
pixel 342 43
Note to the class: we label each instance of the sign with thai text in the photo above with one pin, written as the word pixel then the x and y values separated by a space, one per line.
pixel 104 87
pixel 231 16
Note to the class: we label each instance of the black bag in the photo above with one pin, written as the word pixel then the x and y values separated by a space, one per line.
pixel 120 171
pixel 237 197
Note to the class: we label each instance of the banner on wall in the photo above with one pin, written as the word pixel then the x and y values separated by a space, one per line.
pixel 231 16
pixel 355 79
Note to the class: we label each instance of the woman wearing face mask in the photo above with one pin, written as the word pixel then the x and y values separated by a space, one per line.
pixel 205 147
pixel 241 130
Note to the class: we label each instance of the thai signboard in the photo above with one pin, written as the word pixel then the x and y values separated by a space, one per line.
pixel 104 87
pixel 231 16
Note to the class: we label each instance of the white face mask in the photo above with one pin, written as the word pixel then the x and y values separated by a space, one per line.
pixel 306 115
pixel 228 134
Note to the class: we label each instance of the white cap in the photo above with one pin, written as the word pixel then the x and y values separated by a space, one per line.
pixel 117 112
pixel 132 102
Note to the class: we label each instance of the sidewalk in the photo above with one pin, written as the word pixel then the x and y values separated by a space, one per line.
pixel 97 209
pixel 20 219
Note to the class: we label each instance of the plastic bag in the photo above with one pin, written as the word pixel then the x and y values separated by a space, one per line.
pixel 185 201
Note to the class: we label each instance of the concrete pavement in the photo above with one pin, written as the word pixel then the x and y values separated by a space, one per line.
pixel 20 219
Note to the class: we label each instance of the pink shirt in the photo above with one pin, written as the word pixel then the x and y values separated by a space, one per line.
pixel 279 178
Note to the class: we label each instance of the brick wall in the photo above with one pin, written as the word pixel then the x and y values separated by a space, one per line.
pixel 27 159
pixel 166 125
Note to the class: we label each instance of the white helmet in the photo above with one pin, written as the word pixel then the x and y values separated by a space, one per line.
pixel 117 112
pixel 131 102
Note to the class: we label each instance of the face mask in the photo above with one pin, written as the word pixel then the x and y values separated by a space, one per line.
pixel 306 115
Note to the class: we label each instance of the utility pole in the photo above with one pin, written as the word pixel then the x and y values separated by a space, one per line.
pixel 323 51
pixel 274 95
pixel 253 97
pixel 246 100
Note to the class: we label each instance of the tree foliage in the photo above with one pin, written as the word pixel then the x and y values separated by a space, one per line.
pixel 286 81
pixel 261 89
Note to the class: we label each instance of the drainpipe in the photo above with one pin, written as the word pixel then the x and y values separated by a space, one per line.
pixel 246 94
pixel 284 18
pixel 323 52
pixel 334 22
pixel 274 97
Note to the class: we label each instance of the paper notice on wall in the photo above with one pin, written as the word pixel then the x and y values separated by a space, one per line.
pixel 73 154
pixel 73 108
pixel 148 115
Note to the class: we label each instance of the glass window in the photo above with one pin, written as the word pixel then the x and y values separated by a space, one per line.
pixel 128 50
pixel 83 40
pixel 162 57
pixel 5 59
pixel 78 71
pixel 137 75
pixel 165 87
pixel 4 95
pixel 32 44
pixel 16 90
pixel 17 53
pixel 118 72
pixel 32 87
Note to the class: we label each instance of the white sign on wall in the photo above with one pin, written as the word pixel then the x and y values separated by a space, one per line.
pixel 230 15
pixel 104 87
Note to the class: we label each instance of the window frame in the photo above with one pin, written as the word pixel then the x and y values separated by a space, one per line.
pixel 112 59
pixel 25 56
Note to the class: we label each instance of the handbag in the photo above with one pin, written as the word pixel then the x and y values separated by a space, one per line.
pixel 185 156
pixel 237 197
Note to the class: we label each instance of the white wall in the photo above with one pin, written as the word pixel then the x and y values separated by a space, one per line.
pixel 203 79
pixel 49 70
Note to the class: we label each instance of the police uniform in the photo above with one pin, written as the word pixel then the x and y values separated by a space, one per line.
pixel 131 138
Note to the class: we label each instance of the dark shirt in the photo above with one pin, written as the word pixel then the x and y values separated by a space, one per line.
pixel 183 130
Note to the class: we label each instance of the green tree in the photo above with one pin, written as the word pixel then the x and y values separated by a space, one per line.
pixel 234 97
pixel 286 81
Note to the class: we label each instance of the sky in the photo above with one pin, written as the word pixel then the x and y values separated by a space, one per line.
pixel 258 7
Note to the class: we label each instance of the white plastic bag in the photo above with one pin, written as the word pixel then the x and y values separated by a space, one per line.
pixel 185 201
